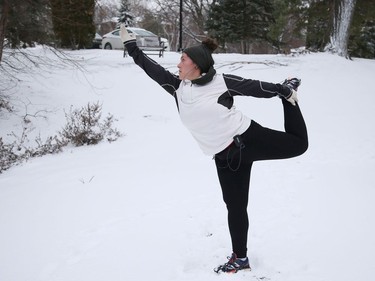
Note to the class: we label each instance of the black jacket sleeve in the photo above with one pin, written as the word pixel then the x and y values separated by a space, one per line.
pixel 159 74
pixel 247 87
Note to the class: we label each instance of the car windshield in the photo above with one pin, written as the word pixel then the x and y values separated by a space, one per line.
pixel 143 32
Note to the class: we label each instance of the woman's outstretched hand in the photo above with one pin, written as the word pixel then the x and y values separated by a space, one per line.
pixel 124 34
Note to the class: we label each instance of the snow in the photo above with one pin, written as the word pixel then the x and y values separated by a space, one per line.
pixel 149 206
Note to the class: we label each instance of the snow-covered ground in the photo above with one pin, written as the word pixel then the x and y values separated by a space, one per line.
pixel 149 206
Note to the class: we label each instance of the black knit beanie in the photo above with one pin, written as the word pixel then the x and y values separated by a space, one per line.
pixel 201 55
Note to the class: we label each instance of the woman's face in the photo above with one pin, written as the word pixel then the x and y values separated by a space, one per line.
pixel 187 69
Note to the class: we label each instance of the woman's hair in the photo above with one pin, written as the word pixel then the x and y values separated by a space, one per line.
pixel 210 43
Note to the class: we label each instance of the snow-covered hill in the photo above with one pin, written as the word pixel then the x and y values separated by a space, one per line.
pixel 149 207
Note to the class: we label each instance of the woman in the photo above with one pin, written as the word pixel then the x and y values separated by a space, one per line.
pixel 205 103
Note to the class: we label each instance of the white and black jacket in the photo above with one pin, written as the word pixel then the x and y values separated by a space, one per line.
pixel 207 110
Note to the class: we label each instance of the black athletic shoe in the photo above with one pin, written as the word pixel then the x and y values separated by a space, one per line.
pixel 292 83
pixel 233 265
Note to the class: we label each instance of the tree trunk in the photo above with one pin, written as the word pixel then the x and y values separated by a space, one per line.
pixel 4 11
pixel 341 25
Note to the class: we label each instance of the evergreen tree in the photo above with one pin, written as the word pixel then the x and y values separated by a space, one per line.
pixel 362 33
pixel 125 15
pixel 218 24
pixel 244 21
pixel 4 14
pixel 320 24
pixel 27 22
pixel 73 22
pixel 288 31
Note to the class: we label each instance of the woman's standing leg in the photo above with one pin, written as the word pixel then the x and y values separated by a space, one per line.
pixel 235 188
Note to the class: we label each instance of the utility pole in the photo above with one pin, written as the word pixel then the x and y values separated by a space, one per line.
pixel 180 41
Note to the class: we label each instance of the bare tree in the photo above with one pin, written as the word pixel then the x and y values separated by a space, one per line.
pixel 104 17
pixel 168 12
pixel 197 11
pixel 194 18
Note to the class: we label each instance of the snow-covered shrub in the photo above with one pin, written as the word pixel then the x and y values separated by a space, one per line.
pixel 7 157
pixel 84 126
pixel 4 103
pixel 51 145
pixel 17 151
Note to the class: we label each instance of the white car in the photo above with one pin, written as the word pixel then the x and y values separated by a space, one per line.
pixel 97 41
pixel 144 38
pixel 165 43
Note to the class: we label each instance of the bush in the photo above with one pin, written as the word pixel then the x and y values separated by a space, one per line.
pixel 83 128
pixel 7 156
pixel 4 104
pixel 16 152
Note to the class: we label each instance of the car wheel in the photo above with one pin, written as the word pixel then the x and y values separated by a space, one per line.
pixel 108 46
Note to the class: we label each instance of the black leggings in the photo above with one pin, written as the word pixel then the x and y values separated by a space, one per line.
pixel 234 166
